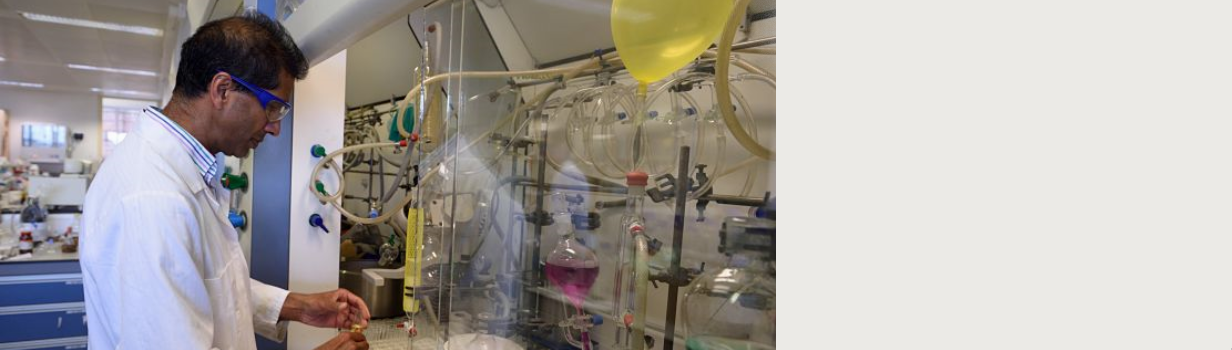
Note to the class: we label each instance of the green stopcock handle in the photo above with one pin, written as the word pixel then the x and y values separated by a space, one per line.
pixel 318 151
pixel 321 188
pixel 234 182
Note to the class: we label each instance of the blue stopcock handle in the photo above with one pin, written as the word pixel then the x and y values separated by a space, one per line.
pixel 238 220
pixel 316 221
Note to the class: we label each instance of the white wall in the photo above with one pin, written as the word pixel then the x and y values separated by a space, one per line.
pixel 81 112
pixel 314 262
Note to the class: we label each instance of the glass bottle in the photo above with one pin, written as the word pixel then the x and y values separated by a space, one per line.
pixel 733 307
pixel 26 239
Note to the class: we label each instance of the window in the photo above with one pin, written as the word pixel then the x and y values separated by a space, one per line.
pixel 43 135
pixel 119 118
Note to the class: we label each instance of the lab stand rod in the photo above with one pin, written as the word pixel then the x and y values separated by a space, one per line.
pixel 717 198
pixel 519 294
pixel 376 118
pixel 571 59
pixel 578 188
pixel 682 193
pixel 366 172
pixel 735 200
pixel 524 200
pixel 548 81
pixel 754 43
pixel 542 180
pixel 396 99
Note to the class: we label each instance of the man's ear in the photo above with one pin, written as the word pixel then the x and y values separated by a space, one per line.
pixel 220 89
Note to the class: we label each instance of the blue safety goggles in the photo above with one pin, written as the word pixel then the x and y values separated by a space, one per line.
pixel 275 112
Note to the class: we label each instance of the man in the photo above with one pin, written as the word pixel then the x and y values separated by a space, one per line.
pixel 162 266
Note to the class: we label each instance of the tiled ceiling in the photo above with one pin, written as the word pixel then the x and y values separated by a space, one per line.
pixel 40 52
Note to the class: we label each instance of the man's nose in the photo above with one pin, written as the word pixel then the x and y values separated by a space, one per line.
pixel 273 128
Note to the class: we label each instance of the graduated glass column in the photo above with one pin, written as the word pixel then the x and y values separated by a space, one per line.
pixel 629 288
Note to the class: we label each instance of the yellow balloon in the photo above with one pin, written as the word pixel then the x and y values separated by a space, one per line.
pixel 657 37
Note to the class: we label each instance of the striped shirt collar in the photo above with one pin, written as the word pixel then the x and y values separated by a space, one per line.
pixel 207 164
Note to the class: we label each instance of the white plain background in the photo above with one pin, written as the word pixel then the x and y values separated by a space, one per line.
pixel 1005 175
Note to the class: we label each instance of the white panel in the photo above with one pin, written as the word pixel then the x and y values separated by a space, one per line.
pixel 381 65
pixel 756 6
pixel 556 29
pixel 245 205
pixel 319 108
pixel 197 12
pixel 506 38
pixel 322 28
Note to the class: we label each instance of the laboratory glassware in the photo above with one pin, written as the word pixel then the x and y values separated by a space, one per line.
pixel 733 307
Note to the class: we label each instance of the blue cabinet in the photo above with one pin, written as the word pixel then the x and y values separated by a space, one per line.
pixel 76 343
pixel 43 321
pixel 41 289
pixel 42 306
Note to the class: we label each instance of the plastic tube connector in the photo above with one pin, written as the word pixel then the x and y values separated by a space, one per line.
pixel 321 188
pixel 636 178
pixel 316 221
pixel 235 182
pixel 239 220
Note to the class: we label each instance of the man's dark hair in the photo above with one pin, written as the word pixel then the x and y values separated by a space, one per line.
pixel 250 46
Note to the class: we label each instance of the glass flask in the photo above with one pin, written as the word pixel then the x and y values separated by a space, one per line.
pixel 572 268
pixel 733 307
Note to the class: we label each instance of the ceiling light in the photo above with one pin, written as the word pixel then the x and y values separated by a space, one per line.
pixel 114 70
pixel 92 24
pixel 122 92
pixel 21 84
pixel 1 59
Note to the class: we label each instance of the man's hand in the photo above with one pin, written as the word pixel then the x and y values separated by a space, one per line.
pixel 346 341
pixel 336 309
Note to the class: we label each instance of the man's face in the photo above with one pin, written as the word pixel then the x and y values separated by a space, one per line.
pixel 245 123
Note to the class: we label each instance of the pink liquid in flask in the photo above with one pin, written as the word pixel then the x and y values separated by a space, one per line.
pixel 574 282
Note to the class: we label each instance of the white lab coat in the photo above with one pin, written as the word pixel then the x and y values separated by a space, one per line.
pixel 162 266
